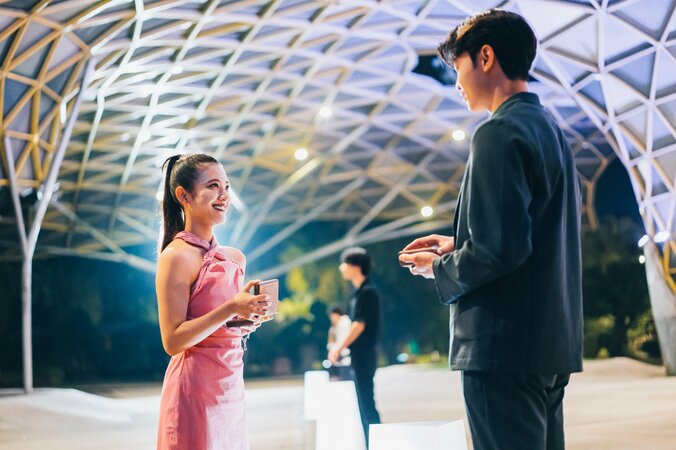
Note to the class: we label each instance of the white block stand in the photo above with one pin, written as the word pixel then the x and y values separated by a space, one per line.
pixel 315 380
pixel 418 436
pixel 338 422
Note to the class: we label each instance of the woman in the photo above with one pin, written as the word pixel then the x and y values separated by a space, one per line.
pixel 199 289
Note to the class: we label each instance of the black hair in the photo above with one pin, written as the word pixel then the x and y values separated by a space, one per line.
pixel 357 256
pixel 180 170
pixel 510 36
pixel 337 310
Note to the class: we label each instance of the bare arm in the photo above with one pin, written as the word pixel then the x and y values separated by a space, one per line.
pixel 175 273
pixel 356 330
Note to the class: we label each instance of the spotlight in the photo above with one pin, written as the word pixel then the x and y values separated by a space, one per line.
pixel 325 112
pixel 301 154
pixel 458 135
pixel 644 240
pixel 641 259
pixel 426 211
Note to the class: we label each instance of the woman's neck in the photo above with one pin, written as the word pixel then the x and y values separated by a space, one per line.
pixel 205 232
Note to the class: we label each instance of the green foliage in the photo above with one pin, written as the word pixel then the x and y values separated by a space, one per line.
pixel 298 304
pixel 616 299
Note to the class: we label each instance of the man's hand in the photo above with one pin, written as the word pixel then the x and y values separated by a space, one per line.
pixel 420 263
pixel 445 244
pixel 334 355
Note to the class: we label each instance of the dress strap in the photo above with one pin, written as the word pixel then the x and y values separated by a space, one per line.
pixel 195 240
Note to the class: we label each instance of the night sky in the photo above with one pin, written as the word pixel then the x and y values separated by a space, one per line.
pixel 615 194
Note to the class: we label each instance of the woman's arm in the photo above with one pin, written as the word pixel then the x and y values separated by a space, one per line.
pixel 176 271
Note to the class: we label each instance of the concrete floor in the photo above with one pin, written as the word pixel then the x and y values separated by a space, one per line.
pixel 614 404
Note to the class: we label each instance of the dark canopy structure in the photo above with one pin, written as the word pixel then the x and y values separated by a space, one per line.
pixel 318 110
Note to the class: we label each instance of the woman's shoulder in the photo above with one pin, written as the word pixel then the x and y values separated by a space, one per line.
pixel 179 252
pixel 234 254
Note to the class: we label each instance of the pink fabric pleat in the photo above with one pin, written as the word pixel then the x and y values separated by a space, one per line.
pixel 202 403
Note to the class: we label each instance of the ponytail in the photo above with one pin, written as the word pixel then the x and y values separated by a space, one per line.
pixel 180 170
pixel 172 213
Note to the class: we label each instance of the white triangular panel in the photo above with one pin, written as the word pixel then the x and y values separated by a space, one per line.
pixel 581 40
pixel 619 38
pixel 619 95
pixel 541 15
pixel 665 74
pixel 647 15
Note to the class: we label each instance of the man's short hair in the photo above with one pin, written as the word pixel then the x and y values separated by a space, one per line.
pixel 357 256
pixel 510 36
pixel 337 310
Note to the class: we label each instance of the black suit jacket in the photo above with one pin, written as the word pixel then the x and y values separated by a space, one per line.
pixel 514 279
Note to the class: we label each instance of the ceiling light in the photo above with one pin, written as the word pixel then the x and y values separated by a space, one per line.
pixel 644 240
pixel 641 259
pixel 325 112
pixel 426 211
pixel 63 112
pixel 458 135
pixel 301 154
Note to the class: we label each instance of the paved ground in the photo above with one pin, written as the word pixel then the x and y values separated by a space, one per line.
pixel 614 404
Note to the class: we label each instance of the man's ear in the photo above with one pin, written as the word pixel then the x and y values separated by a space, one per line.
pixel 486 57
pixel 182 195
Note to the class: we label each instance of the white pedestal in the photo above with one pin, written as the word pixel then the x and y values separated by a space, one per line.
pixel 418 436
pixel 338 422
pixel 314 384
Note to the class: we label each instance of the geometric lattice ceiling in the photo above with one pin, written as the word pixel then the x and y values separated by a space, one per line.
pixel 252 81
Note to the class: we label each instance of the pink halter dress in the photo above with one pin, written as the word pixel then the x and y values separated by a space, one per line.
pixel 202 403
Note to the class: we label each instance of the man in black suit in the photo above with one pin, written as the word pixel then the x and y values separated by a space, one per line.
pixel 511 272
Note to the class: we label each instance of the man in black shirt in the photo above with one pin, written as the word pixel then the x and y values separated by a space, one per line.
pixel 363 338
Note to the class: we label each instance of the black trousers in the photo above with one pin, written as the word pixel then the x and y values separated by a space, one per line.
pixel 364 368
pixel 515 411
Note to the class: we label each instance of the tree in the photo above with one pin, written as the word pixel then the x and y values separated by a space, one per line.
pixel 614 285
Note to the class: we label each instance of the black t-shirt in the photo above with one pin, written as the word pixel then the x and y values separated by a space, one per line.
pixel 365 308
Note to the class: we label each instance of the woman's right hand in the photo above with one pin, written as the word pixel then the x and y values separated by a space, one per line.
pixel 248 306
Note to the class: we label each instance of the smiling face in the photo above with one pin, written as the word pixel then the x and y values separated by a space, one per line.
pixel 210 198
pixel 473 79
pixel 466 80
